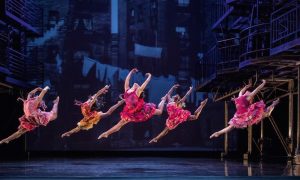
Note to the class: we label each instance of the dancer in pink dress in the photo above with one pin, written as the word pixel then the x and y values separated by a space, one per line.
pixel 177 114
pixel 90 114
pixel 135 110
pixel 33 115
pixel 247 113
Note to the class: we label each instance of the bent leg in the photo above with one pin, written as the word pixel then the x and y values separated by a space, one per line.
pixel 14 136
pixel 162 134
pixel 223 131
pixel 53 112
pixel 69 133
pixel 270 108
pixel 114 129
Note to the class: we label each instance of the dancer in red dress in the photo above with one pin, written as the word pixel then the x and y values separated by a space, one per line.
pixel 135 110
pixel 247 113
pixel 90 115
pixel 177 114
pixel 33 115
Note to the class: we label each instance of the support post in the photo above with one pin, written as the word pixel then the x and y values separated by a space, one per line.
pixel 261 139
pixel 226 134
pixel 297 151
pixel 291 116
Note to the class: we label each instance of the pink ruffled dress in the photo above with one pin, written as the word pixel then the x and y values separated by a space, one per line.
pixel 136 110
pixel 247 114
pixel 177 115
pixel 33 115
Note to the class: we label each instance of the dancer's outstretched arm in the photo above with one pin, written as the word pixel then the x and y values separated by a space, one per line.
pixel 244 89
pixel 253 93
pixel 186 95
pixel 168 95
pixel 42 94
pixel 146 82
pixel 99 93
pixel 162 134
pixel 112 109
pixel 127 80
pixel 31 93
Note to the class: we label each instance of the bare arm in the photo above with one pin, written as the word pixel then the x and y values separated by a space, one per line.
pixel 186 95
pixel 244 89
pixel 42 94
pixel 112 109
pixel 171 91
pixel 253 93
pixel 127 80
pixel 146 82
pixel 99 93
pixel 31 93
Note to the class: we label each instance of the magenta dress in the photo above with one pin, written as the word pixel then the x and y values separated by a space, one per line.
pixel 136 110
pixel 177 115
pixel 247 114
pixel 33 115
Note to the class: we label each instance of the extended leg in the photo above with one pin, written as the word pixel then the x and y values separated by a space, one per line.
pixel 14 136
pixel 199 109
pixel 112 109
pixel 53 112
pixel 223 131
pixel 114 129
pixel 69 133
pixel 271 108
pixel 162 134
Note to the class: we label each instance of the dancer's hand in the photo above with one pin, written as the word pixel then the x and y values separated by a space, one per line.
pixel 148 74
pixel 134 70
pixel 176 86
pixel 264 81
pixel 191 87
pixel 46 88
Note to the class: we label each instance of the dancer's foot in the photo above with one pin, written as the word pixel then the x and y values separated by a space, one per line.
pixel 198 110
pixel 154 140
pixel 67 134
pixel 214 135
pixel 272 106
pixel 203 103
pixel 103 135
pixel 56 100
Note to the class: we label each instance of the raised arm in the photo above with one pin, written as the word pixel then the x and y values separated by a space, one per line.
pixel 244 89
pixel 99 93
pixel 171 91
pixel 186 95
pixel 127 80
pixel 31 93
pixel 146 82
pixel 253 93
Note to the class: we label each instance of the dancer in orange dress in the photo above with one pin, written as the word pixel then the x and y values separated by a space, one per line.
pixel 33 115
pixel 135 110
pixel 247 113
pixel 90 115
pixel 177 114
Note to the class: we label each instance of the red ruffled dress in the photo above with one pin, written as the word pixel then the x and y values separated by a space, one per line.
pixel 136 110
pixel 33 115
pixel 90 118
pixel 247 114
pixel 177 115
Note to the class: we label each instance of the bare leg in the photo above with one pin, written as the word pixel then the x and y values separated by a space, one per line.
pixel 271 108
pixel 199 109
pixel 14 136
pixel 114 129
pixel 223 131
pixel 112 109
pixel 162 134
pixel 69 133
pixel 160 108
pixel 54 110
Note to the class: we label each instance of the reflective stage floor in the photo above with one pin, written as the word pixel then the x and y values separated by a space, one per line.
pixel 148 168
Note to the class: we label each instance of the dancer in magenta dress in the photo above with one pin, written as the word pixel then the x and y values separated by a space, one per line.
pixel 136 109
pixel 34 113
pixel 90 114
pixel 247 113
pixel 177 114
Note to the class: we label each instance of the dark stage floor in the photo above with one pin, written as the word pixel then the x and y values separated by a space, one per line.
pixel 142 168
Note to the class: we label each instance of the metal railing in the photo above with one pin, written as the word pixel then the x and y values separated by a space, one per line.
pixel 285 24
pixel 208 66
pixel 26 12
pixel 229 50
pixel 255 42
